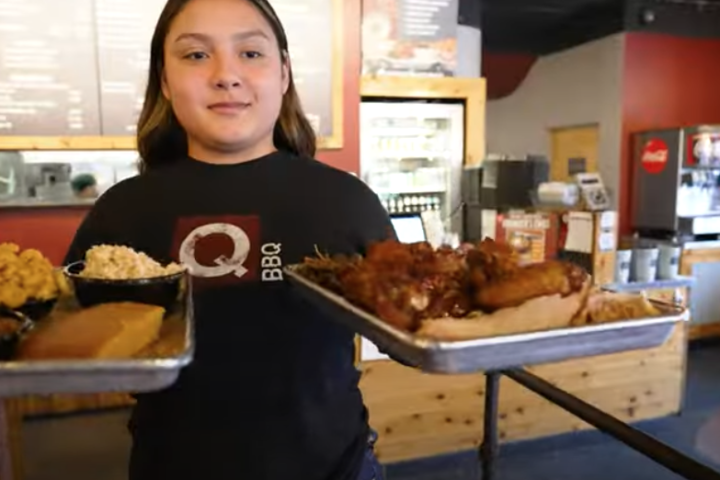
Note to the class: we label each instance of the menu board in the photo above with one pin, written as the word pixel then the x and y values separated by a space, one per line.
pixel 309 28
pixel 80 67
pixel 124 32
pixel 48 68
pixel 410 37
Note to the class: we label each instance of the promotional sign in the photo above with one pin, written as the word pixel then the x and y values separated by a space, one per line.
pixel 532 235
pixel 409 37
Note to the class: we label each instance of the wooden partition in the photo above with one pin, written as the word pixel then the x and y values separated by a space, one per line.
pixel 420 415
pixel 37 405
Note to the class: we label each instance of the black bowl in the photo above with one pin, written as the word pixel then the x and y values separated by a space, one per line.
pixel 161 291
pixel 37 310
pixel 9 342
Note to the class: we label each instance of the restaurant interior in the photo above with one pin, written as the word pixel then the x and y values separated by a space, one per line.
pixel 584 130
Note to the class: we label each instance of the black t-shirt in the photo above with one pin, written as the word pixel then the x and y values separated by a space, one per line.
pixel 272 393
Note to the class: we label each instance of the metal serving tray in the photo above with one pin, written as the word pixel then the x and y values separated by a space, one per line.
pixel 492 353
pixel 151 371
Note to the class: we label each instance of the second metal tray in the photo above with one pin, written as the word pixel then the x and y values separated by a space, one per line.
pixel 151 371
pixel 492 353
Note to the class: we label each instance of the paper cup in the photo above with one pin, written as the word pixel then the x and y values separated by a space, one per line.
pixel 622 266
pixel 644 264
pixel 668 261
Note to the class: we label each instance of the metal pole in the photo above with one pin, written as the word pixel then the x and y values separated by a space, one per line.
pixel 489 446
pixel 642 442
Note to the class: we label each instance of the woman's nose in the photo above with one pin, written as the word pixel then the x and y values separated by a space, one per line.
pixel 226 75
pixel 226 83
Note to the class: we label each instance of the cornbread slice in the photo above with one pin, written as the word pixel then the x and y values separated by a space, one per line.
pixel 107 331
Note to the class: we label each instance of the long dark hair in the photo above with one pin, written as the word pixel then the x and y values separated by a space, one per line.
pixel 160 137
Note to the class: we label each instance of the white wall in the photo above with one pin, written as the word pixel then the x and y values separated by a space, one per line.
pixel 469 52
pixel 579 86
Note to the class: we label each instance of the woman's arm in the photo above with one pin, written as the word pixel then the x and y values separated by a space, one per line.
pixel 374 225
pixel 93 230
pixel 371 220
pixel 109 221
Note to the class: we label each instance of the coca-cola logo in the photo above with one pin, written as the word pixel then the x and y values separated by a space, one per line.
pixel 654 156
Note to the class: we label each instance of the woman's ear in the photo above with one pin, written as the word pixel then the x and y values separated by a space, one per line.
pixel 285 73
pixel 164 87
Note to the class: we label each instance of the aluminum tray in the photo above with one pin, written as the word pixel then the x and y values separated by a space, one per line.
pixel 147 373
pixel 492 353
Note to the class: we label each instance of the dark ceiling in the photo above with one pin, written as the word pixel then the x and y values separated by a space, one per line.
pixel 545 26
pixel 540 26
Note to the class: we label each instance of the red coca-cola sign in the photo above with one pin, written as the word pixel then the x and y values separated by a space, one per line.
pixel 654 155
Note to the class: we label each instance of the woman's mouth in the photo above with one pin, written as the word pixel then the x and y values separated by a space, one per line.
pixel 228 108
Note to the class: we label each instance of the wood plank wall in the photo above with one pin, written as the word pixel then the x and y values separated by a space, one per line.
pixel 419 415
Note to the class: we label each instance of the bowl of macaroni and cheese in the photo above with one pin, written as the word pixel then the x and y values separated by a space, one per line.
pixel 113 273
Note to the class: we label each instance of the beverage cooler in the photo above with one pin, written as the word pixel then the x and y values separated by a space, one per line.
pixel 411 155
pixel 676 191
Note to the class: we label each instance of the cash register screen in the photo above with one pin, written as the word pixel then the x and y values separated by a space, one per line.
pixel 409 228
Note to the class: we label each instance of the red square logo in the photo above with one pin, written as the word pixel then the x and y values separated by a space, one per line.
pixel 219 250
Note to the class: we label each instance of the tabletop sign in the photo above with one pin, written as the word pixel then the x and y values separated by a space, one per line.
pixel 528 234
pixel 124 30
pixel 48 81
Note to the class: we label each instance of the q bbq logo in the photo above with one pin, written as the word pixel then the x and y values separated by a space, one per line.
pixel 226 250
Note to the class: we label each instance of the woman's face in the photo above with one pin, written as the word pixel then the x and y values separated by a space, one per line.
pixel 225 78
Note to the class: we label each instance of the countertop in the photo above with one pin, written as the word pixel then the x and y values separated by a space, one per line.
pixel 679 282
pixel 701 245
pixel 42 203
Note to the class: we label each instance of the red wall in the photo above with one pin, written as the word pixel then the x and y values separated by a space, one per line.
pixel 504 72
pixel 668 82
pixel 348 157
pixel 51 229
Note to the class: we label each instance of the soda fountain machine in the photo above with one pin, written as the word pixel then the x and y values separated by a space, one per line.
pixel 676 183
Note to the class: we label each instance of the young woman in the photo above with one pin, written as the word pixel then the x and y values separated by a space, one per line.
pixel 228 186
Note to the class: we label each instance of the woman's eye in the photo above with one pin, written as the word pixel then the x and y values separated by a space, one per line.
pixel 195 56
pixel 251 54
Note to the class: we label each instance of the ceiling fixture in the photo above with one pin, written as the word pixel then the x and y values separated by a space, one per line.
pixel 647 16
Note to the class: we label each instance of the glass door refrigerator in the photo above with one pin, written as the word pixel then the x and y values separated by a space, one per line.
pixel 411 155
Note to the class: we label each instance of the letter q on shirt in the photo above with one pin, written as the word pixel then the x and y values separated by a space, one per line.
pixel 221 250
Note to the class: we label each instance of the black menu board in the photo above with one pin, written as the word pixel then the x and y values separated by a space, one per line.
pixel 309 25
pixel 125 28
pixel 124 31
pixel 48 69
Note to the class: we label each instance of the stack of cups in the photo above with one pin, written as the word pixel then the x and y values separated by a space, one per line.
pixel 623 258
pixel 668 261
pixel 644 264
